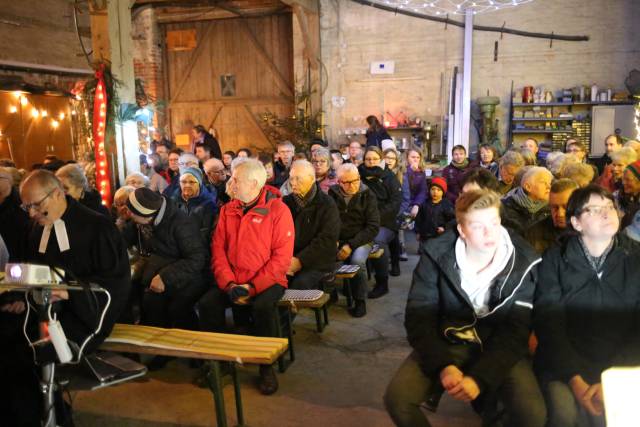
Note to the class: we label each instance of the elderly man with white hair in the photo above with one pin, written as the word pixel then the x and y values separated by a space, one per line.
pixel 317 225
pixel 529 203
pixel 251 254
pixel 359 225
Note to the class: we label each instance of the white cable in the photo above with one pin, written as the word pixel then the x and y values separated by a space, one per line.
pixel 24 326
pixel 104 312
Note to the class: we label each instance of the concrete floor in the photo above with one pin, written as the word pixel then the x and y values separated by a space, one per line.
pixel 338 379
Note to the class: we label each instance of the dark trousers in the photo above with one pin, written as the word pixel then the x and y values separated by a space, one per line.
pixel 172 308
pixel 381 265
pixel 395 249
pixel 563 408
pixel 410 387
pixel 260 314
pixel 306 279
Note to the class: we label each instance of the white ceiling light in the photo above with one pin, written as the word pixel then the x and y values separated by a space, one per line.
pixel 452 7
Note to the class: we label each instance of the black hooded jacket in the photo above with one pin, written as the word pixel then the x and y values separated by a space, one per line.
pixel 388 191
pixel 439 312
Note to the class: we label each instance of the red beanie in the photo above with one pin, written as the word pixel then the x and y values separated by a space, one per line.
pixel 440 182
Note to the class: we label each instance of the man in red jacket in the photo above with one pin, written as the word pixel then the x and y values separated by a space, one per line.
pixel 251 253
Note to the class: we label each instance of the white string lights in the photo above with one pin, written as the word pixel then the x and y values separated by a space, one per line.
pixel 451 7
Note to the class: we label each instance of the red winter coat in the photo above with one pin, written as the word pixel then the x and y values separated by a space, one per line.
pixel 254 248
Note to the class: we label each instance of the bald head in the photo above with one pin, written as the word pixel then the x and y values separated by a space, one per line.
pixel 214 168
pixel 302 177
pixel 43 195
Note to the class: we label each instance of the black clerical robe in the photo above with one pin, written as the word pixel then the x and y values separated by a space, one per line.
pixel 96 254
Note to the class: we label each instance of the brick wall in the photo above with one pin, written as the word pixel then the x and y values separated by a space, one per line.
pixel 147 57
pixel 424 52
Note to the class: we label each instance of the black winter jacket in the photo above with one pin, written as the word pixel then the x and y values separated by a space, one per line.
pixel 585 323
pixel 388 191
pixel 202 210
pixel 518 218
pixel 177 240
pixel 14 227
pixel 317 228
pixel 431 216
pixel 439 312
pixel 359 220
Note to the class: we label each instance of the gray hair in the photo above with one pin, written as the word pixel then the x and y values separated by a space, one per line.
pixel 323 153
pixel 346 167
pixel 512 158
pixel 211 163
pixel 578 170
pixel 534 171
pixel 138 175
pixel 626 154
pixel 187 158
pixel 74 173
pixel 306 165
pixel 559 162
pixel 288 144
pixel 252 169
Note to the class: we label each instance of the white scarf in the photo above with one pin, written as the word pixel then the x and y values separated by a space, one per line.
pixel 477 285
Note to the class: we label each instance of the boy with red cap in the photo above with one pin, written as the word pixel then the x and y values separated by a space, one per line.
pixel 435 212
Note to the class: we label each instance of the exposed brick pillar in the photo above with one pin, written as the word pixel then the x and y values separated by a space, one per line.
pixel 147 57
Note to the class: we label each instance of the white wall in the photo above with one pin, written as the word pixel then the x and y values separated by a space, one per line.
pixel 353 35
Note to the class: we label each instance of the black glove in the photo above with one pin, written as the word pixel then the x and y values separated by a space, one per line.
pixel 238 292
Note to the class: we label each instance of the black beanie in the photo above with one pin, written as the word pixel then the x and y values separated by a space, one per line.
pixel 144 202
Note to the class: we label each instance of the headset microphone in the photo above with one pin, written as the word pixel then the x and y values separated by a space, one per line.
pixel 45 213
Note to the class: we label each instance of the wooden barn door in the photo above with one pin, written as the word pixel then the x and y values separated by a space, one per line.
pixel 235 70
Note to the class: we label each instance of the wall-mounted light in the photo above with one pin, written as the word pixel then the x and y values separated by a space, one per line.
pixel 61 116
pixel 44 113
pixel 55 124
pixel 13 109
pixel 24 101
pixel 35 113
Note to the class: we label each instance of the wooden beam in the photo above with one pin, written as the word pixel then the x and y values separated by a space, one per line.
pixel 254 120
pixel 311 42
pixel 310 6
pixel 215 116
pixel 192 61
pixel 177 15
pixel 232 101
pixel 282 84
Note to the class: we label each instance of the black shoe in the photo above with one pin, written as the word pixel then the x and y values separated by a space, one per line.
pixel 333 296
pixel 378 291
pixel 395 269
pixel 158 362
pixel 359 309
pixel 268 380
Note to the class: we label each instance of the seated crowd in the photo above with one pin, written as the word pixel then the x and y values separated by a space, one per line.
pixel 208 230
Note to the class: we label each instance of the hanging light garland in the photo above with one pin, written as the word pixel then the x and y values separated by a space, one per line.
pixel 451 7
pixel 99 128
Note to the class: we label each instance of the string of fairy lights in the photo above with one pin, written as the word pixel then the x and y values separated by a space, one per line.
pixel 451 7
pixel 25 106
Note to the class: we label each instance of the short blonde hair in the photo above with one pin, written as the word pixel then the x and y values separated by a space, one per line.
pixel 475 200
pixel 626 154
pixel 575 171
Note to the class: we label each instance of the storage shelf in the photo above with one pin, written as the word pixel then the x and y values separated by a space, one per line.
pixel 541 131
pixel 406 128
pixel 542 119
pixel 568 104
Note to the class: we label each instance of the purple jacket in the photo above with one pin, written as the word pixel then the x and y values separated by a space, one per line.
pixel 414 188
pixel 454 177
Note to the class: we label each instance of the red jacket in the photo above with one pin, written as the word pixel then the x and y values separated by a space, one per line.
pixel 254 248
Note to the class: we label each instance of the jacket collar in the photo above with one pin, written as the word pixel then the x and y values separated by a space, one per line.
pixel 261 207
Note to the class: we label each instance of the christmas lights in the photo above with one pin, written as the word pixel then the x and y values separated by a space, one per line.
pixel 99 124
pixel 452 7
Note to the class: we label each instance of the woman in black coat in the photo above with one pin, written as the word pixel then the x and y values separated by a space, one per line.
pixel 586 314
pixel 384 184
pixel 376 132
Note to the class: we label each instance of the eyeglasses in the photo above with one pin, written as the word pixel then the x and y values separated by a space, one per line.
pixel 220 172
pixel 598 210
pixel 36 205
pixel 354 181
pixel 319 162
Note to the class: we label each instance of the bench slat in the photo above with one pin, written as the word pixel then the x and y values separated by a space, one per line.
pixel 193 344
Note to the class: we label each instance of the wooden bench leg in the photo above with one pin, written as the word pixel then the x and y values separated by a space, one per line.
pixel 292 354
pixel 215 384
pixel 282 363
pixel 346 287
pixel 238 396
pixel 325 312
pixel 319 324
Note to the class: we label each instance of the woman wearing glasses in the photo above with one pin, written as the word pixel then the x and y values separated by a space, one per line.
pixel 586 310
pixel 322 164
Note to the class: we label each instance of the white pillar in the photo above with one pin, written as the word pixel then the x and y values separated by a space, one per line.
pixel 121 56
pixel 466 79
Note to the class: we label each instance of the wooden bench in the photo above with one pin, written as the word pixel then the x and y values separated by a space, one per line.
pixel 211 347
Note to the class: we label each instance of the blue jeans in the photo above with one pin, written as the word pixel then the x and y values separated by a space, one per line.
pixel 381 265
pixel 359 282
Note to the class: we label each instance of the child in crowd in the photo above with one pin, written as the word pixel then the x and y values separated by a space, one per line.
pixel 435 212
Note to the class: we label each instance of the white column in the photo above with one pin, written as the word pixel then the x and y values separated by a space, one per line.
pixel 466 79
